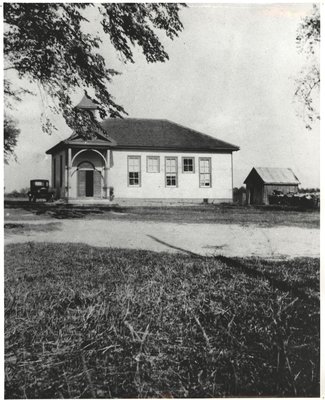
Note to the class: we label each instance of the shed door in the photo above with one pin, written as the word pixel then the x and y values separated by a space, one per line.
pixel 251 195
pixel 256 194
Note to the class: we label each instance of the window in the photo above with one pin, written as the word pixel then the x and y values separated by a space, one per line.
pixel 54 172
pixel 205 172
pixel 171 171
pixel 153 164
pixel 134 170
pixel 61 170
pixel 188 164
pixel 86 165
pixel 39 183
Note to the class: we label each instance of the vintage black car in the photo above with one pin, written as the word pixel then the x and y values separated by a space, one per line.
pixel 40 189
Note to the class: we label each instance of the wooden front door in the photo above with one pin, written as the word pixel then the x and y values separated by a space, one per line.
pixel 89 183
pixel 85 183
pixel 81 183
pixel 97 184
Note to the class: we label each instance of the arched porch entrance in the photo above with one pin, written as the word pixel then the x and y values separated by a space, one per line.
pixel 89 180
pixel 88 174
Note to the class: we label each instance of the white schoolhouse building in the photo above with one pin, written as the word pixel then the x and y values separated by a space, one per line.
pixel 142 159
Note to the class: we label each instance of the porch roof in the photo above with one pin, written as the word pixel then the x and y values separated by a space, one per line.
pixel 75 141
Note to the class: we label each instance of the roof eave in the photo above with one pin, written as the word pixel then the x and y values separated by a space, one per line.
pixel 72 144
pixel 56 148
pixel 204 134
pixel 282 183
pixel 90 144
pixel 161 148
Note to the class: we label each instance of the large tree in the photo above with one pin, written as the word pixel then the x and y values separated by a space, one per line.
pixel 308 83
pixel 48 44
pixel 10 136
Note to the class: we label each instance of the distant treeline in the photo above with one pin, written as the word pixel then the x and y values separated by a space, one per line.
pixel 313 190
pixel 15 193
pixel 242 189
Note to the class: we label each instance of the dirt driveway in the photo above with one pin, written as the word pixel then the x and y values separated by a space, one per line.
pixel 205 239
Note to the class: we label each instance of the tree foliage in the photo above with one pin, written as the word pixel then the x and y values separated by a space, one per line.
pixel 308 83
pixel 48 43
pixel 10 136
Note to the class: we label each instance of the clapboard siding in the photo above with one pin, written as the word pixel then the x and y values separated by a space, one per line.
pixel 285 189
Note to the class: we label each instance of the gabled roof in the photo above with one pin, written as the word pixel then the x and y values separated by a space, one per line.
pixel 99 140
pixel 160 134
pixel 148 134
pixel 98 136
pixel 279 176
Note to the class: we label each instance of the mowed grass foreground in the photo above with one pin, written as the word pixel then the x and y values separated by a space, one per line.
pixel 90 322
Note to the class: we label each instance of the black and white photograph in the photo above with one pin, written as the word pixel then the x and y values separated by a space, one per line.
pixel 161 199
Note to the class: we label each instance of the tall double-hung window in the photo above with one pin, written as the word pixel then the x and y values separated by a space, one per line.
pixel 205 172
pixel 153 164
pixel 134 170
pixel 171 171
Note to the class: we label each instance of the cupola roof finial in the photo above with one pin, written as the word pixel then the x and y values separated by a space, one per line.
pixel 86 103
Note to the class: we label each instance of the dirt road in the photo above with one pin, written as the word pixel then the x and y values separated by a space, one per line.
pixel 205 239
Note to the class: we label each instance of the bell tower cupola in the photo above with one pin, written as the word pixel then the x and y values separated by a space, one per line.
pixel 86 103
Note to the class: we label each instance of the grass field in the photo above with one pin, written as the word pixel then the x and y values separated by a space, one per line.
pixel 201 213
pixel 86 322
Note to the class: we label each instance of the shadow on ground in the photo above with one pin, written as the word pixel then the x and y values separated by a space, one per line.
pixel 16 229
pixel 250 268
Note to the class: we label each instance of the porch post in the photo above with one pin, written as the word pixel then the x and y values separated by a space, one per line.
pixel 53 171
pixel 108 161
pixel 232 179
pixel 68 171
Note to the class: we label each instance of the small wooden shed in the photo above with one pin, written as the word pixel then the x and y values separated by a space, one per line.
pixel 261 182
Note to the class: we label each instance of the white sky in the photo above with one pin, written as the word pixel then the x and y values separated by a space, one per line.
pixel 231 75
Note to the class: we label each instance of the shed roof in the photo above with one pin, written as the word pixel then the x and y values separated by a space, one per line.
pixel 160 134
pixel 275 176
